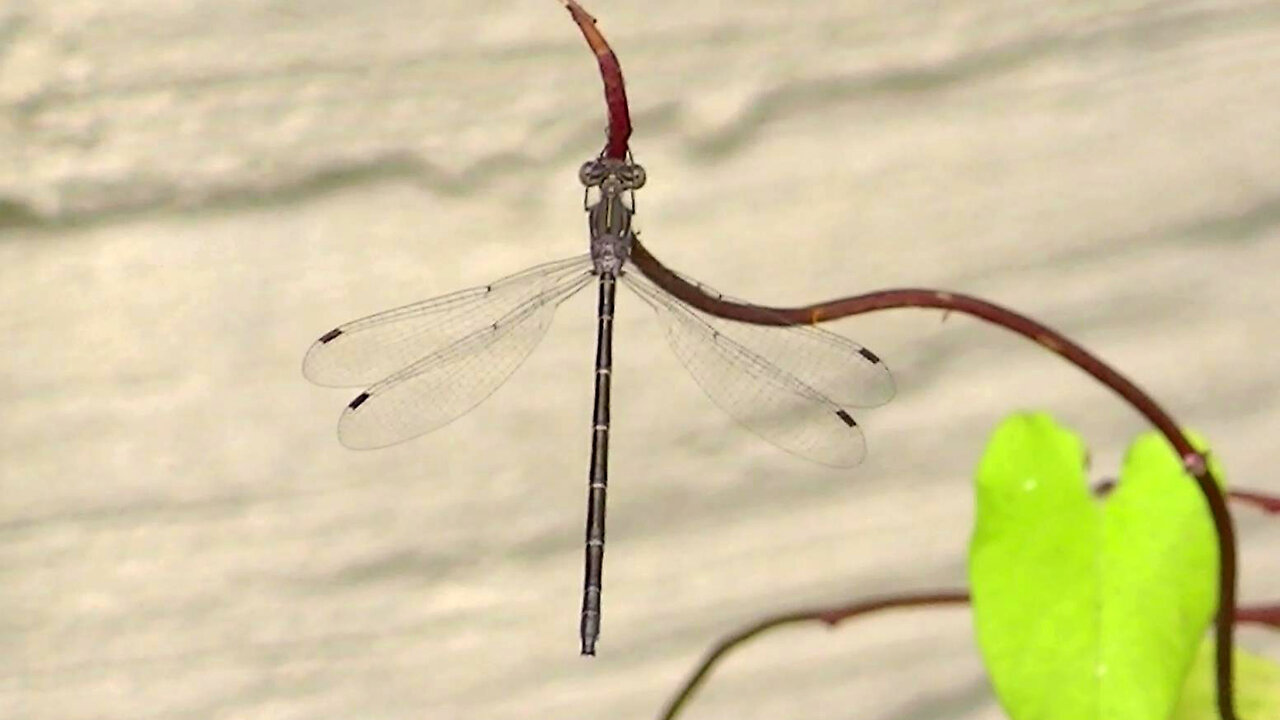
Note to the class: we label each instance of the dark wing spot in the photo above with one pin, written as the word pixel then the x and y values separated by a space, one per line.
pixel 358 401
pixel 868 355
pixel 845 418
pixel 330 335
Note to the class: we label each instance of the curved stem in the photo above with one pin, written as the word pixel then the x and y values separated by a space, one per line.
pixel 830 616
pixel 1046 337
pixel 615 93
pixel 1262 501
pixel 1261 614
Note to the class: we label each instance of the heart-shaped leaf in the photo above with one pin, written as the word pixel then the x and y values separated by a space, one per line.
pixel 1257 687
pixel 1088 608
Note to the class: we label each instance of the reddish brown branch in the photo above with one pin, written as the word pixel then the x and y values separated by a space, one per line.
pixel 831 616
pixel 1262 614
pixel 1262 501
pixel 615 94
pixel 1042 335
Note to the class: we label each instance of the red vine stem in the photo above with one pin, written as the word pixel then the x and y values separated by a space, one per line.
pixel 1260 615
pixel 1042 335
pixel 615 94
pixel 1266 503
pixel 1263 615
pixel 830 616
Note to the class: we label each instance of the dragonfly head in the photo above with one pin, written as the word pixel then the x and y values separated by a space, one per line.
pixel 611 176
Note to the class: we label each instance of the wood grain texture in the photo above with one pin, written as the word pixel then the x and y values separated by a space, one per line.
pixel 192 192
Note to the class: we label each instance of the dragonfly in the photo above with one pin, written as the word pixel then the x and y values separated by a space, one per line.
pixel 426 364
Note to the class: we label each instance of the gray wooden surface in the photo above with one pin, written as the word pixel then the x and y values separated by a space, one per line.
pixel 190 192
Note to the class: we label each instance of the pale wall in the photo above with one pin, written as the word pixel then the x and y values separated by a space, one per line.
pixel 191 192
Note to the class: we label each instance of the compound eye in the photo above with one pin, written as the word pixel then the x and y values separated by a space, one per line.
pixel 636 179
pixel 591 173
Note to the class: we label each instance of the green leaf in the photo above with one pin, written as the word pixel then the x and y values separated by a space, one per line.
pixel 1257 687
pixel 1085 608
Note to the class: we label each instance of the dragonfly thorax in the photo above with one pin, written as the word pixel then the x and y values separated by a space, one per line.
pixel 609 252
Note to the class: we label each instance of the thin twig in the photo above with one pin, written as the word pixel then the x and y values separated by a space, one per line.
pixel 1259 614
pixel 1262 501
pixel 615 94
pixel 831 616
pixel 1042 335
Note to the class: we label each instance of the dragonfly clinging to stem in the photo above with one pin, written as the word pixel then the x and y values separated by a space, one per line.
pixel 429 363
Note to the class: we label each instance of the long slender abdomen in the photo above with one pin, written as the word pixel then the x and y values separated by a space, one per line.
pixel 598 476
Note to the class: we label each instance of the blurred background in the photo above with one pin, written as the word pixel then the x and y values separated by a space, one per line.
pixel 192 192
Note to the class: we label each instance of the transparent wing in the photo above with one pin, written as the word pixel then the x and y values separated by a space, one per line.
pixel 768 394
pixel 367 350
pixel 840 369
pixel 444 385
